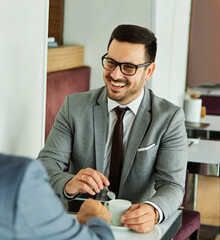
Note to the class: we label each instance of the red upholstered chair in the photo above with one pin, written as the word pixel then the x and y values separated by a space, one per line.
pixel 197 168
pixel 60 84
pixel 190 220
pixel 212 104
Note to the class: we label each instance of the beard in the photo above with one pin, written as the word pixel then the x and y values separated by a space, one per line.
pixel 131 89
pixel 113 96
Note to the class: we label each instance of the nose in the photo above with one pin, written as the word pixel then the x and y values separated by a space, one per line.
pixel 116 74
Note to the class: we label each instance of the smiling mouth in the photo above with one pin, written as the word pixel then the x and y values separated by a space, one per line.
pixel 118 84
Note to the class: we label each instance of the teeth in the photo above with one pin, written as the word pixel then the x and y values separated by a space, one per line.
pixel 118 84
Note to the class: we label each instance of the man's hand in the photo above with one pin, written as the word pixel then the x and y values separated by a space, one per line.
pixel 93 208
pixel 86 181
pixel 140 218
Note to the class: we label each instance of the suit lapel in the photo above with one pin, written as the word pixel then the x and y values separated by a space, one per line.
pixel 137 134
pixel 100 125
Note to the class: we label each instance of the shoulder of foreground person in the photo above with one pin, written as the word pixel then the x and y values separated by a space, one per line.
pixel 40 214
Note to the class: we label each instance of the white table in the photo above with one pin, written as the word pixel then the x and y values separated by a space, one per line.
pixel 208 152
pixel 165 230
pixel 205 151
pixel 214 122
pixel 213 129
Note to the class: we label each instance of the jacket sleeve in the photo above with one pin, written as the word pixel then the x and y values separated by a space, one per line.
pixel 55 156
pixel 40 214
pixel 171 166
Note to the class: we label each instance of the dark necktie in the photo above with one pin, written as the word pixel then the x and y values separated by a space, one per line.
pixel 117 152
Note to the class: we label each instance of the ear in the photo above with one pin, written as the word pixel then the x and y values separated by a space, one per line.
pixel 149 71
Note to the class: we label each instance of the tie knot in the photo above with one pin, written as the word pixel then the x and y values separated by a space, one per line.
pixel 120 112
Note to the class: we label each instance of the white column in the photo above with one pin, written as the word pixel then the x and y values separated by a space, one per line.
pixel 171 22
pixel 23 51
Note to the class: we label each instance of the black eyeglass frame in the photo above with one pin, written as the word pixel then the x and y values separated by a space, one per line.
pixel 119 64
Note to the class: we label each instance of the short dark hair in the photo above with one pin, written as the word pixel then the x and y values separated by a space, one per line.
pixel 136 34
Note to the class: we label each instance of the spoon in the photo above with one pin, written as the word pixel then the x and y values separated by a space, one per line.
pixel 110 194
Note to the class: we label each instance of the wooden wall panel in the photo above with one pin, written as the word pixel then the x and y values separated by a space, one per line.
pixel 209 207
pixel 204 43
pixel 56 11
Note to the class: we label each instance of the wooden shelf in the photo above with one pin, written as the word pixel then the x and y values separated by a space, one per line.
pixel 65 57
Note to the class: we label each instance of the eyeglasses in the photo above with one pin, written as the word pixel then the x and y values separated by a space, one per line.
pixel 128 69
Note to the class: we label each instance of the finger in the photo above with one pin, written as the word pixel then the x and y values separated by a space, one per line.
pixel 132 208
pixel 140 228
pixel 104 179
pixel 86 175
pixel 91 182
pixel 83 177
pixel 139 220
pixel 96 175
pixel 138 211
pixel 86 202
pixel 134 213
pixel 85 188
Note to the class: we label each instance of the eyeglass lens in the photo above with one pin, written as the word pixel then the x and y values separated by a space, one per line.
pixel 126 68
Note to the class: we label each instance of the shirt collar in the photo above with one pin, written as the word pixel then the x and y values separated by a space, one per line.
pixel 133 106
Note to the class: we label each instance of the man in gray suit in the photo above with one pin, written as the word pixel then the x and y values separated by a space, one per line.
pixel 30 210
pixel 155 142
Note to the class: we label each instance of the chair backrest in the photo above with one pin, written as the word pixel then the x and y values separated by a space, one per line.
pixel 60 84
pixel 197 168
pixel 212 104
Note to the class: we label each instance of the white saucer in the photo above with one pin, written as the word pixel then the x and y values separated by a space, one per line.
pixel 119 228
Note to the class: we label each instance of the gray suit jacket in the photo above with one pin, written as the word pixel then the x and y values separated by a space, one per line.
pixel 29 209
pixel 77 140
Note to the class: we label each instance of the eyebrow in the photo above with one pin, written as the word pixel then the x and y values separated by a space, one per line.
pixel 121 62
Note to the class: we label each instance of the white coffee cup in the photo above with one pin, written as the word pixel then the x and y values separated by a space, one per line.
pixel 117 207
pixel 192 108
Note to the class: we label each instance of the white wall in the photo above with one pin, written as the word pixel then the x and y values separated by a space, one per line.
pixel 171 22
pixel 90 23
pixel 22 75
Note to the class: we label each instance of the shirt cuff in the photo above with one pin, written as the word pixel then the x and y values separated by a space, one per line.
pixel 69 197
pixel 160 213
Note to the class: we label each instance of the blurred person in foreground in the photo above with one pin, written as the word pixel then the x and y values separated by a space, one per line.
pixel 29 208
